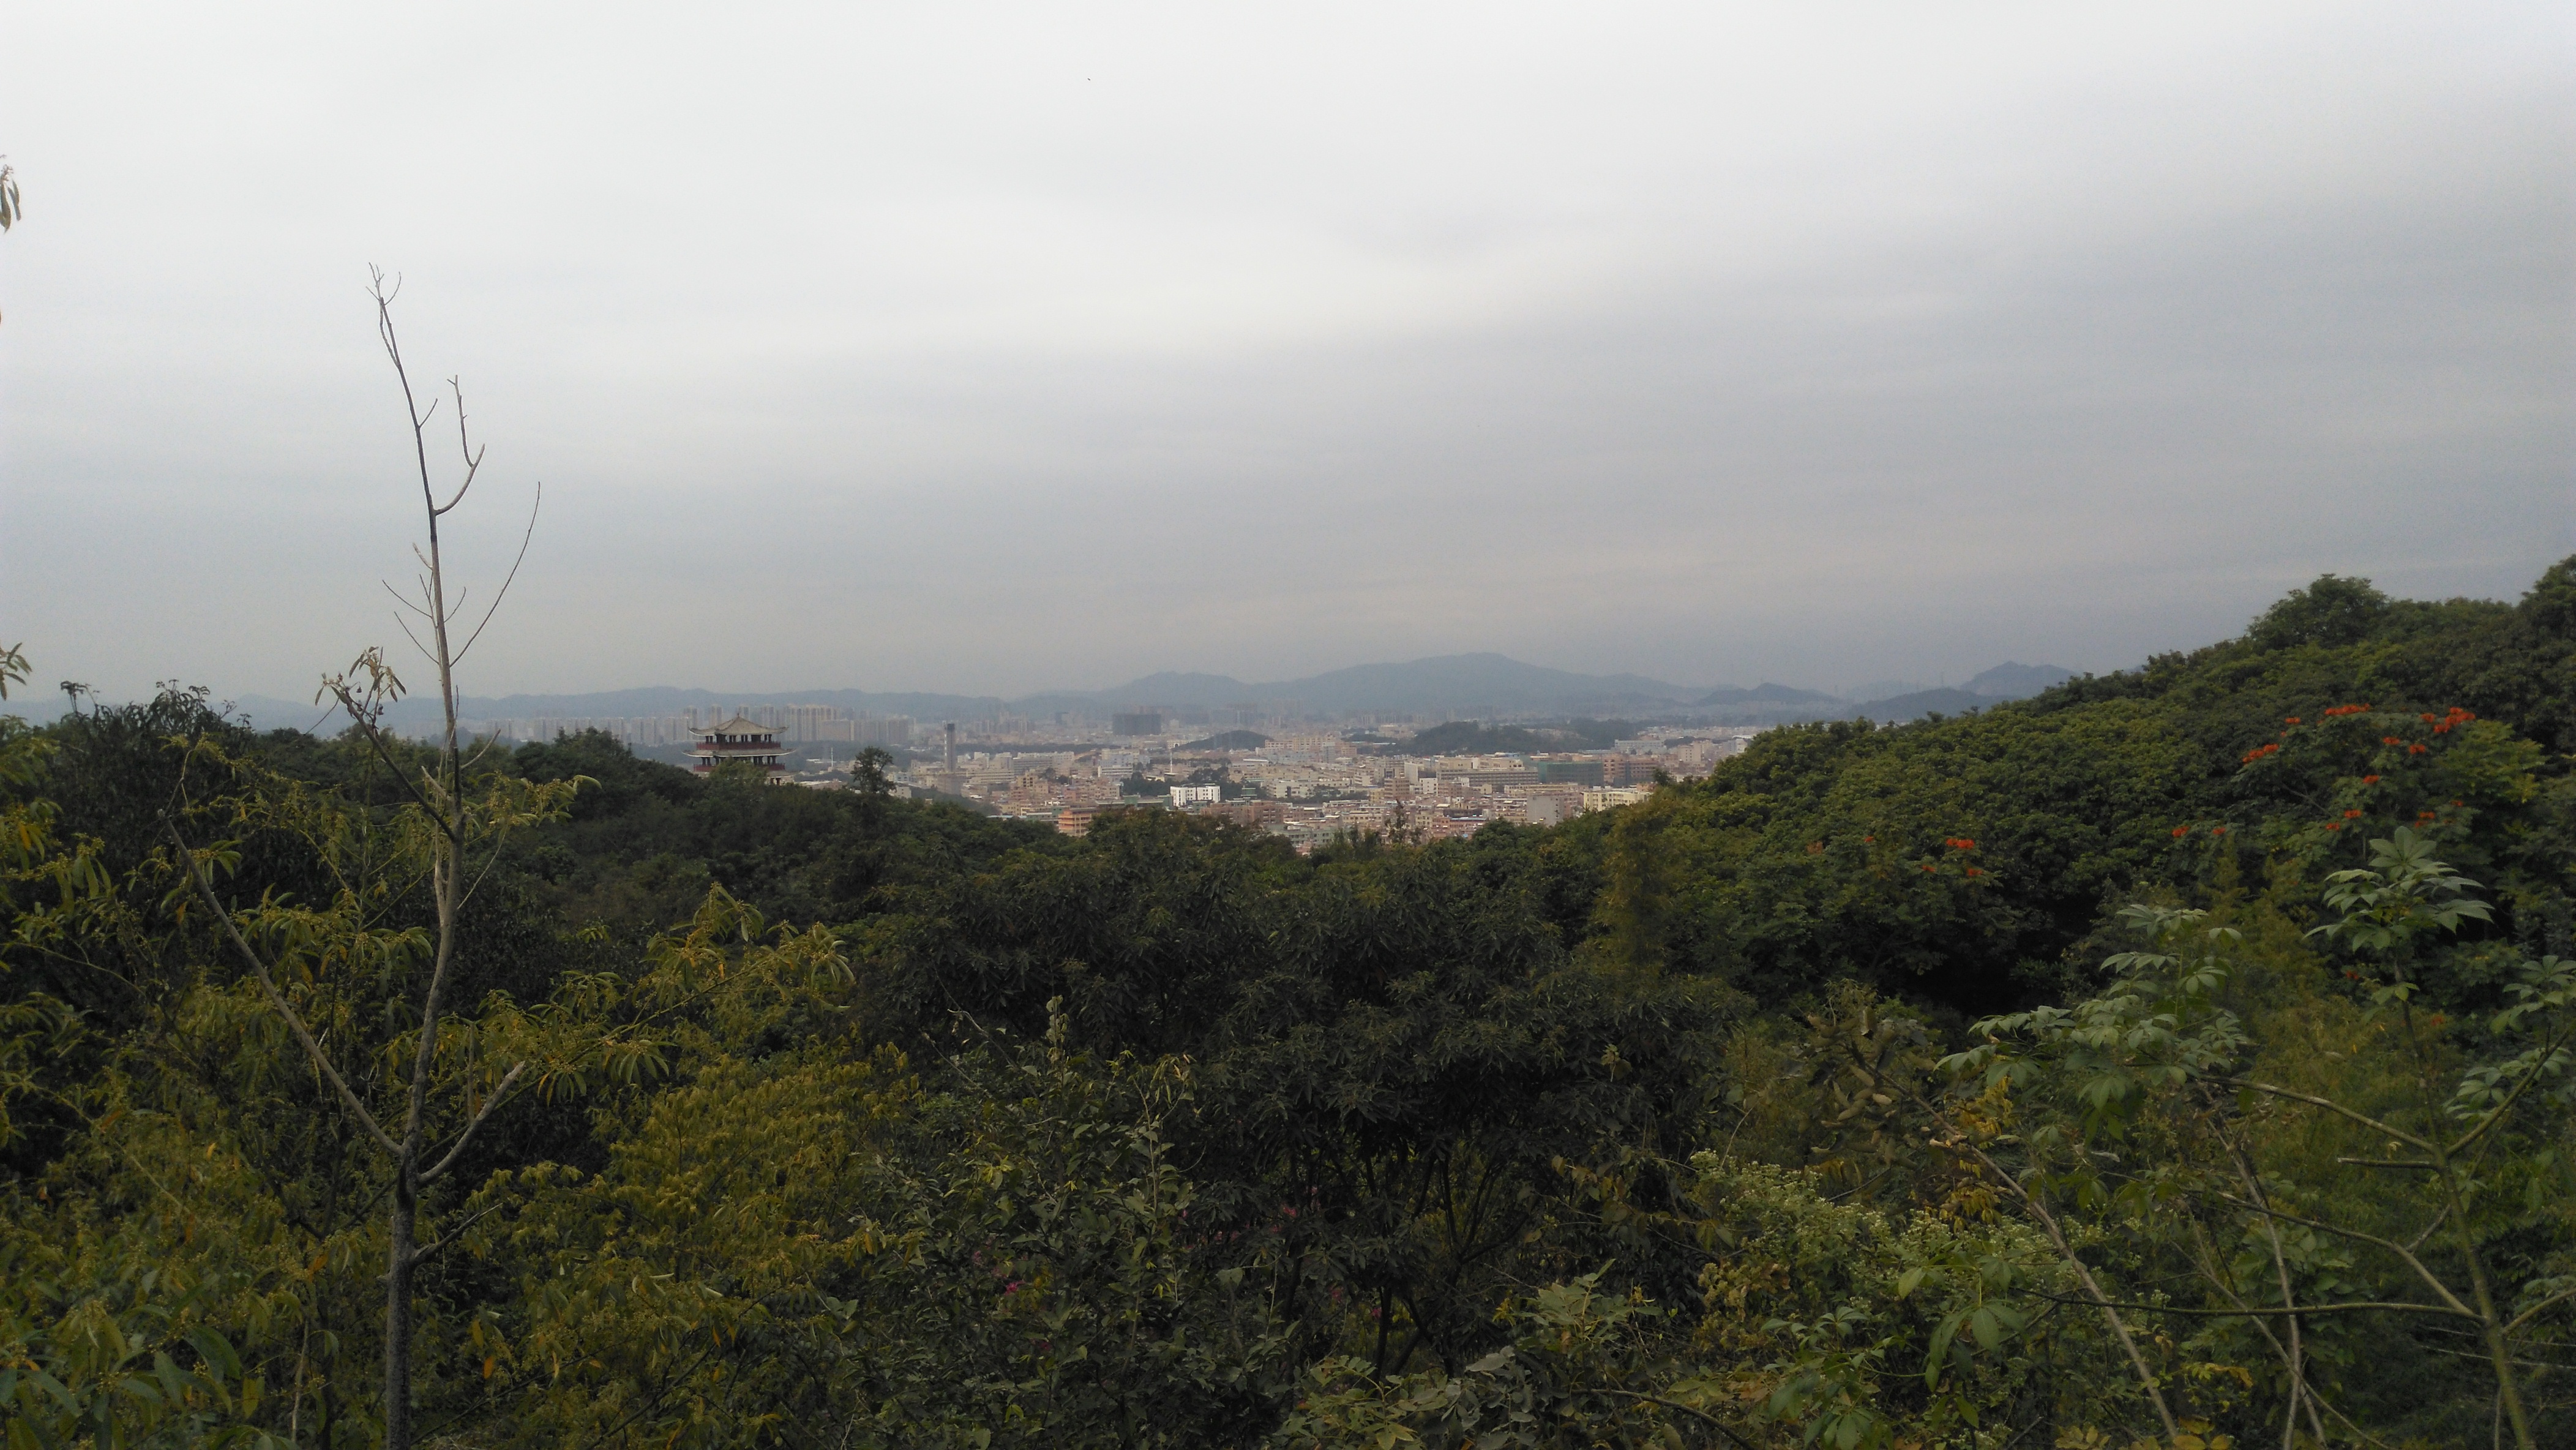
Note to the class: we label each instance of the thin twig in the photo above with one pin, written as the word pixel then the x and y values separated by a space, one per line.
pixel 2392 1246
pixel 1722 1427
pixel 421 1255
pixel 2525 1316
pixel 508 578
pixel 2248 1312
pixel 467 1137
pixel 277 999
pixel 2367 1121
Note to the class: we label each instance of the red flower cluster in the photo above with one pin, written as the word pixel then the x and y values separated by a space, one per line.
pixel 2218 830
pixel 2291 720
pixel 2181 831
pixel 1960 843
pixel 2259 751
pixel 2334 825
pixel 2418 749
pixel 2349 710
pixel 2370 780
pixel 2352 815
pixel 2390 740
pixel 2457 716
pixel 1973 871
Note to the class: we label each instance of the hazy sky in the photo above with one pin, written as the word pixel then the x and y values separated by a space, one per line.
pixel 994 348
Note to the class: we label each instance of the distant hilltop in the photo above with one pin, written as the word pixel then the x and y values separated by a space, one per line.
pixel 1445 687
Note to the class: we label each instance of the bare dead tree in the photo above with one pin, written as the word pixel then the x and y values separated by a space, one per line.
pixel 439 795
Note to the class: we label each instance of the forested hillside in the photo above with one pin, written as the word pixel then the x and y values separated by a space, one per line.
pixel 2177 1057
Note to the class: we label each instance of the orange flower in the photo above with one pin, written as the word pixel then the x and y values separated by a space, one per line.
pixel 2334 825
pixel 2352 815
pixel 2390 740
pixel 2293 720
pixel 2181 831
pixel 2218 830
pixel 1973 871
pixel 2370 780
pixel 2418 749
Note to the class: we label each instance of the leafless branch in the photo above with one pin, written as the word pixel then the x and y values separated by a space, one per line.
pixel 1721 1426
pixel 398 599
pixel 508 578
pixel 2250 1311
pixel 2527 1315
pixel 2496 1114
pixel 2330 1105
pixel 277 999
pixel 467 1137
pixel 452 1235
pixel 2357 1235
pixel 473 455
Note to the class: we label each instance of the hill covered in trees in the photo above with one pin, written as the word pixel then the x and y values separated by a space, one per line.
pixel 2173 1055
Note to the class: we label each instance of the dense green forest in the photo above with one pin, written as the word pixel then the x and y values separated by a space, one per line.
pixel 2177 1058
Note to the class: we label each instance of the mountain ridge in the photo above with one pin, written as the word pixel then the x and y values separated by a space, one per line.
pixel 1478 685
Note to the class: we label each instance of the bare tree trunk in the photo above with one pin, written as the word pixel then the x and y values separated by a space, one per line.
pixel 2499 1350
pixel 440 793
pixel 399 1260
pixel 2066 1251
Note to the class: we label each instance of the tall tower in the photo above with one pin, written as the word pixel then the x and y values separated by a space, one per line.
pixel 951 728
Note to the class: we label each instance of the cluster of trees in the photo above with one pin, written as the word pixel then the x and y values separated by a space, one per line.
pixel 2178 1058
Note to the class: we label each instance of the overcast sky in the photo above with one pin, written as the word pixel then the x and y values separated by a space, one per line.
pixel 992 348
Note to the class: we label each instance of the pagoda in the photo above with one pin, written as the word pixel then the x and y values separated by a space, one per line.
pixel 740 738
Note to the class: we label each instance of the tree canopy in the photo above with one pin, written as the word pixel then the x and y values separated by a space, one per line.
pixel 2178 1057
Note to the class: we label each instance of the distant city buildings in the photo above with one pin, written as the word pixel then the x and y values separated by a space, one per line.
pixel 1300 778
pixel 1309 785
pixel 793 724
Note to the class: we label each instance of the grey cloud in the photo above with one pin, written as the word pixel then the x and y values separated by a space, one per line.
pixel 1817 351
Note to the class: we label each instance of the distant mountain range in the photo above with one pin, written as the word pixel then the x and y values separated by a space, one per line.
pixel 2016 682
pixel 2003 682
pixel 1464 685
pixel 1470 686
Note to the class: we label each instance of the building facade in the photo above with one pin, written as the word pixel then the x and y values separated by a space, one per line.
pixel 740 739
